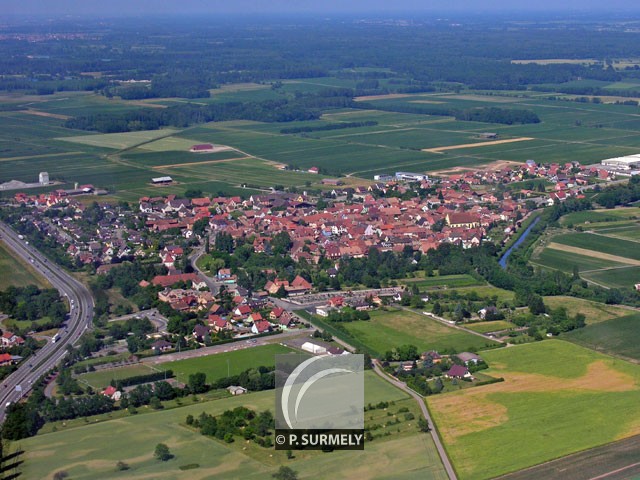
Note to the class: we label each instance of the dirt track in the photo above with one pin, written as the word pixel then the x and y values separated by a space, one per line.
pixel 46 114
pixel 479 144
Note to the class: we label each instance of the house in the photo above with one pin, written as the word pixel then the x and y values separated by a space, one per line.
pixel 110 391
pixel 200 332
pixel 242 310
pixel 314 170
pixel 458 371
pixel 161 346
pixel 261 326
pixel 5 359
pixel 468 357
pixel 488 313
pixel 432 355
pixel 9 339
pixel 406 366
pixel 637 287
pixel 236 390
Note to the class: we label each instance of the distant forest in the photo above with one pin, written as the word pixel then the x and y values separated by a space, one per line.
pixel 169 57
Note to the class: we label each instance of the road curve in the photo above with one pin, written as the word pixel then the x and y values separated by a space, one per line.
pixel 434 434
pixel 18 384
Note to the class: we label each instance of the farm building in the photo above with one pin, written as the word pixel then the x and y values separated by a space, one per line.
pixel 43 178
pixel 202 148
pixel 383 178
pixel 488 135
pixel 411 177
pixel 629 162
pixel 161 180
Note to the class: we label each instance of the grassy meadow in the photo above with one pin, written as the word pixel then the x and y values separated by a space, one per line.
pixel 15 272
pixel 89 451
pixel 214 366
pixel 557 398
pixel 618 336
pixel 388 329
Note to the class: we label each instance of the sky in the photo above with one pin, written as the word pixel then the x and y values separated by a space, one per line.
pixel 137 7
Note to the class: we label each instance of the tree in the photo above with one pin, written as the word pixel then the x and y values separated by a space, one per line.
pixel 423 425
pixel 285 473
pixel 162 452
pixel 121 466
pixel 197 382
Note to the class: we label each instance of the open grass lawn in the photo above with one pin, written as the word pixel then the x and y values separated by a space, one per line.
pixel 215 366
pixel 100 379
pixel 619 336
pixel 594 312
pixel 485 291
pixel 393 328
pixel 89 452
pixel 462 280
pixel 15 272
pixel 557 398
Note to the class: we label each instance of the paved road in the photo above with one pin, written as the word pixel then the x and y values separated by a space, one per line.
pixel 18 384
pixel 153 315
pixel 434 434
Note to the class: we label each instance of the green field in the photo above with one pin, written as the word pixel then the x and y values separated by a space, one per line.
pixel 120 141
pixel 31 143
pixel 390 329
pixel 493 326
pixel 100 379
pixel 593 311
pixel 462 280
pixel 601 243
pixel 620 277
pixel 619 336
pixel 557 398
pixel 215 366
pixel 566 261
pixel 15 272
pixel 89 452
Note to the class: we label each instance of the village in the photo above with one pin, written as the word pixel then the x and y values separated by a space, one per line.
pixel 406 213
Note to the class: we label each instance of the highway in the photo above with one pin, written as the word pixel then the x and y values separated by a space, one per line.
pixel 80 318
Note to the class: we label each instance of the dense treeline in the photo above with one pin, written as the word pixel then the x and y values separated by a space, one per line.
pixel 188 114
pixel 32 303
pixel 620 194
pixel 505 116
pixel 329 126
pixel 240 421
pixel 200 53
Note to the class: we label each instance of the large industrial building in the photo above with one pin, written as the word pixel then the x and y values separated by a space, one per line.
pixel 630 162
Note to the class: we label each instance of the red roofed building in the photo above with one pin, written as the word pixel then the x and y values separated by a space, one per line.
pixel 168 280
pixel 261 327
pixel 202 148
pixel 5 359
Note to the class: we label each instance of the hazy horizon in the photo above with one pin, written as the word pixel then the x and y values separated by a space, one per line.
pixel 328 7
